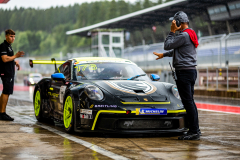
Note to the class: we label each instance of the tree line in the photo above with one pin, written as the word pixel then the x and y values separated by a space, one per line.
pixel 43 31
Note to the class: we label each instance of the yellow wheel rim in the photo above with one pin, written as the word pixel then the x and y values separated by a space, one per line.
pixel 68 111
pixel 37 103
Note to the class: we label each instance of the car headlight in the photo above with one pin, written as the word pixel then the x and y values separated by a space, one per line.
pixel 93 92
pixel 175 92
pixel 31 80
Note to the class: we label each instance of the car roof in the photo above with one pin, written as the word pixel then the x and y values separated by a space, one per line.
pixel 37 74
pixel 101 59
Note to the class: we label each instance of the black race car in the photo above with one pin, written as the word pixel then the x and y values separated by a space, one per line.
pixel 99 94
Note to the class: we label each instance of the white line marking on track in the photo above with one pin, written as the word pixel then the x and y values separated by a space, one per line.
pixel 72 138
pixel 217 111
pixel 217 104
pixel 79 141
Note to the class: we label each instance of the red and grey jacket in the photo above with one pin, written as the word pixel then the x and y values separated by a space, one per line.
pixel 182 48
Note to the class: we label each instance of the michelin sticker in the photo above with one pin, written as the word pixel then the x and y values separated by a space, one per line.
pixel 61 93
pixel 151 111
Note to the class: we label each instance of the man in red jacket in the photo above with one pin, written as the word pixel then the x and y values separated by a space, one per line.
pixel 182 48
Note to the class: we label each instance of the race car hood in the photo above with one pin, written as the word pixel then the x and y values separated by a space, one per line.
pixel 135 91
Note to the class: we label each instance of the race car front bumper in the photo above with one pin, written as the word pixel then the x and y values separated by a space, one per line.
pixel 119 122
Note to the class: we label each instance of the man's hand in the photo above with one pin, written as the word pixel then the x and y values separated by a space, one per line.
pixel 174 27
pixel 6 58
pixel 160 55
pixel 19 54
pixel 17 65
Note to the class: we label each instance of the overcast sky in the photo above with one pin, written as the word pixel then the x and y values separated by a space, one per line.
pixel 43 4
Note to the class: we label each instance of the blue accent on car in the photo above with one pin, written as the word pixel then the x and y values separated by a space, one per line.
pixel 132 77
pixel 155 77
pixel 57 76
pixel 150 111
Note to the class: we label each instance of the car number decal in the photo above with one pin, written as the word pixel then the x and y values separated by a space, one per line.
pixel 84 66
pixel 129 87
pixel 151 111
pixel 86 111
pixel 61 93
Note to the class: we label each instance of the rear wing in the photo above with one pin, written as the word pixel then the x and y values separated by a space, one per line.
pixel 52 61
pixel 31 62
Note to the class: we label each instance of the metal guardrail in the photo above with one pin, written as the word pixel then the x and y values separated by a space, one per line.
pixel 238 78
pixel 211 48
pixel 227 79
pixel 208 40
pixel 232 39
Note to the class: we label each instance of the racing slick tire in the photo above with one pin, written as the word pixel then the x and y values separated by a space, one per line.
pixel 68 114
pixel 37 102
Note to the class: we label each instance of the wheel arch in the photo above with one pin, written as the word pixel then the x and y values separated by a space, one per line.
pixel 44 85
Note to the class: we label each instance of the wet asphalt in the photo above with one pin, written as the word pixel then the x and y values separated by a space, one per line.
pixel 25 138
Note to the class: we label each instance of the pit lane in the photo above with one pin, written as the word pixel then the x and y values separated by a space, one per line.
pixel 25 138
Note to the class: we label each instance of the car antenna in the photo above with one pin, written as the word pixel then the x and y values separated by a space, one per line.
pixel 53 59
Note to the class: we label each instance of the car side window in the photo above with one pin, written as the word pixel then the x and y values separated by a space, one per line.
pixel 60 69
pixel 66 70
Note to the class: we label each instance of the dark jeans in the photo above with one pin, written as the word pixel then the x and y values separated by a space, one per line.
pixel 185 84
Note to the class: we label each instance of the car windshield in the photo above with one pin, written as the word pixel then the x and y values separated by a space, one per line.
pixel 35 76
pixel 107 70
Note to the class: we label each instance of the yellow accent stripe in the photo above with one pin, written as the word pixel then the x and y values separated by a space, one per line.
pixel 176 111
pixel 46 62
pixel 231 90
pixel 145 102
pixel 51 88
pixel 106 111
pixel 211 90
pixel 112 111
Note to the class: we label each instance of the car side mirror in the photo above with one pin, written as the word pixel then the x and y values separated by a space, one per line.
pixel 154 77
pixel 58 77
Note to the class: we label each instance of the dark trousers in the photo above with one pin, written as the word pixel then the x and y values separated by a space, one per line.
pixel 185 84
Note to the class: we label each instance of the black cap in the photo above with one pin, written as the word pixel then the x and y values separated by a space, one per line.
pixel 180 16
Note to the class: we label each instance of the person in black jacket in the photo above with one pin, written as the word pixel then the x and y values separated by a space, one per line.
pixel 182 48
pixel 7 71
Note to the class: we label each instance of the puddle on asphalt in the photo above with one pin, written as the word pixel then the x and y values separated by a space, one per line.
pixel 27 129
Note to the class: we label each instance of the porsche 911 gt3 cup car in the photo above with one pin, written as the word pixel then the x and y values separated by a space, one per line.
pixel 99 94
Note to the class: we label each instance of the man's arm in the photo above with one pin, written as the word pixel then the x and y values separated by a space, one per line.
pixel 173 42
pixel 168 54
pixel 6 58
pixel 17 65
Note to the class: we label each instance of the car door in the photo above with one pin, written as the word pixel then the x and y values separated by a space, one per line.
pixel 58 87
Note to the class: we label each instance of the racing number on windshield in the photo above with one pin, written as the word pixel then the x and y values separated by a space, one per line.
pixel 84 66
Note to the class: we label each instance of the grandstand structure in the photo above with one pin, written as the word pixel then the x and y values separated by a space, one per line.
pixel 213 51
pixel 218 56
